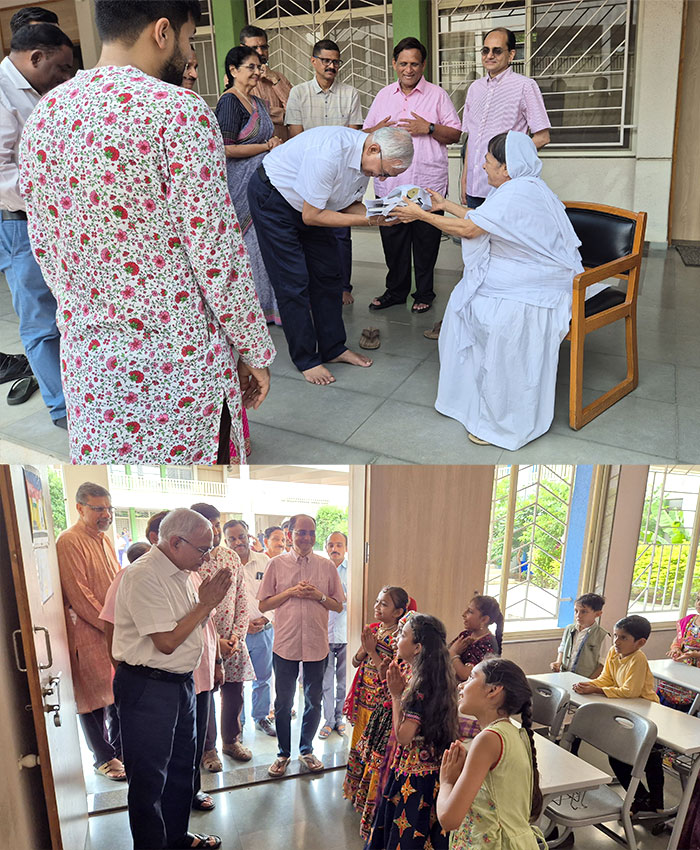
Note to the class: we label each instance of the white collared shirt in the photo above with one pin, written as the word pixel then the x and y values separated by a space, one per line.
pixel 17 100
pixel 321 166
pixel 152 597
pixel 253 573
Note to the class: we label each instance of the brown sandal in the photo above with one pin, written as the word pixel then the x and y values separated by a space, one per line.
pixel 211 761
pixel 370 338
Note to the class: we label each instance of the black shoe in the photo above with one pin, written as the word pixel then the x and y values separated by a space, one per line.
pixel 22 390
pixel 13 367
pixel 61 422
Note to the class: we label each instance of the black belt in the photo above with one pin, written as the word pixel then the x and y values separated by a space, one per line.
pixel 12 215
pixel 155 673
pixel 262 174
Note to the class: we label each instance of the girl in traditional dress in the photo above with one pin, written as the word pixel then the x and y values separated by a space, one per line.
pixel 490 797
pixel 424 719
pixel 476 641
pixel 368 689
pixel 686 649
pixel 248 134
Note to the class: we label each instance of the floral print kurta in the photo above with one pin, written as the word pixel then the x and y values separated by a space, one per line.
pixel 231 617
pixel 132 224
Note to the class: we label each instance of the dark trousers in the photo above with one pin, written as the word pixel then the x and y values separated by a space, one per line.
pixel 231 707
pixel 654 772
pixel 203 701
pixel 302 265
pixel 286 673
pixel 344 240
pixel 423 241
pixel 473 201
pixel 101 730
pixel 158 739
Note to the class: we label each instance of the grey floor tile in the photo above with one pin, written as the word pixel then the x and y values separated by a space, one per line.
pixel 10 414
pixel 560 448
pixel 275 445
pixel 421 386
pixel 9 334
pixel 389 461
pixel 420 435
pixel 688 386
pixel 38 431
pixel 688 434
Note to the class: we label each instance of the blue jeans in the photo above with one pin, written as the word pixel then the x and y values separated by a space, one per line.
pixel 36 309
pixel 286 673
pixel 260 649
pixel 334 691
pixel 158 741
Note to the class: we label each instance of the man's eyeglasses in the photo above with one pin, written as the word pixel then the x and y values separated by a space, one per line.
pixel 327 63
pixel 98 510
pixel 381 166
pixel 495 50
pixel 203 550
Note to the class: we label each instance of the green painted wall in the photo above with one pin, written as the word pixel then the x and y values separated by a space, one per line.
pixel 412 18
pixel 229 18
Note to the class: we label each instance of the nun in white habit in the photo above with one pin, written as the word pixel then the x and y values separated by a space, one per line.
pixel 507 317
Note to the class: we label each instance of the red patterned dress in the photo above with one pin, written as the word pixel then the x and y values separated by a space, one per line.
pixel 133 227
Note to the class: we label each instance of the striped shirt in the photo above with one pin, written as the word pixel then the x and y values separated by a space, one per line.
pixel 495 105
pixel 312 106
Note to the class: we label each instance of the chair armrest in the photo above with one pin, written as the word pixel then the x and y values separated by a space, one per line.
pixel 600 273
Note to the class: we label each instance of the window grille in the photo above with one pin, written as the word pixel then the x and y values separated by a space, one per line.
pixel 580 52
pixel 204 46
pixel 362 29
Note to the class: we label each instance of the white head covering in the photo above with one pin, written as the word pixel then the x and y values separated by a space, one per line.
pixel 521 156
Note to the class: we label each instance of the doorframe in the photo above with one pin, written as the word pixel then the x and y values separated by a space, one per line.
pixel 676 123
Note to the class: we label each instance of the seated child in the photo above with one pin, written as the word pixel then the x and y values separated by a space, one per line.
pixel 626 675
pixel 585 643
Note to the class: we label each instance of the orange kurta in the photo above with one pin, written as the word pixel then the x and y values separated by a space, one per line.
pixel 87 563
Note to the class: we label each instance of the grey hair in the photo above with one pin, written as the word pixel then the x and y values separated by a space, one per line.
pixel 89 490
pixel 396 144
pixel 181 522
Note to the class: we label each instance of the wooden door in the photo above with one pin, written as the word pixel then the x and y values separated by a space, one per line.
pixel 42 648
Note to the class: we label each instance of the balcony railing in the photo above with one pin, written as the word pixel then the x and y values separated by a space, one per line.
pixel 174 486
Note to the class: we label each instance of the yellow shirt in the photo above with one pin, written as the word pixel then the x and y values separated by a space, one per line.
pixel 626 677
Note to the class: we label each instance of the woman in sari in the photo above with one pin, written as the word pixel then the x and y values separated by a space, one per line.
pixel 507 317
pixel 686 650
pixel 247 130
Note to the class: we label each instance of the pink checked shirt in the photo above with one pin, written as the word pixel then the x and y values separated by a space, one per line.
pixel 429 168
pixel 495 105
pixel 301 625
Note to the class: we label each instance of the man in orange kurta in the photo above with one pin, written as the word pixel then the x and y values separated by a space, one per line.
pixel 88 563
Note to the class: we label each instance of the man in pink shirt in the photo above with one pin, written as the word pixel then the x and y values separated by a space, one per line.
pixel 426 111
pixel 499 101
pixel 301 587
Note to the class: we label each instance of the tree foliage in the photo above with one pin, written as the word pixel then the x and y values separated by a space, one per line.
pixel 58 502
pixel 328 520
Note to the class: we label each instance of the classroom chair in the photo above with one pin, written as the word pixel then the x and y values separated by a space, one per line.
pixel 549 705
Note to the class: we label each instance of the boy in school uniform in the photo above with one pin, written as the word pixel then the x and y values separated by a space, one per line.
pixel 626 675
pixel 585 643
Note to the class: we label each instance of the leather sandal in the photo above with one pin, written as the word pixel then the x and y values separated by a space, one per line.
pixel 370 338
pixel 385 301
pixel 420 307
pixel 203 841
pixel 434 332
pixel 279 766
pixel 203 802
pixel 14 366
pixel 22 390
pixel 110 771
pixel 211 761
pixel 311 762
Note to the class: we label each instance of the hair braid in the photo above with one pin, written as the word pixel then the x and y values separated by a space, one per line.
pixel 526 718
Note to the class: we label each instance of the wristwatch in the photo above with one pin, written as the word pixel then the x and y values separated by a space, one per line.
pixel 431 129
pixel 218 661
pixel 323 599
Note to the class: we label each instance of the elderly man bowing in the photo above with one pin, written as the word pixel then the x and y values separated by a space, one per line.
pixel 158 640
pixel 303 189
pixel 301 587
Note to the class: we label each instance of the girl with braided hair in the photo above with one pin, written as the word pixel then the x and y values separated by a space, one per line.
pixel 491 796
pixel 424 722
pixel 476 641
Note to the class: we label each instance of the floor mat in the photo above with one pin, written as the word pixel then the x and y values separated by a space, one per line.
pixel 690 254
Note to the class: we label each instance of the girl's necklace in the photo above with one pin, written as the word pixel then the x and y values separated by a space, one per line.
pixel 387 630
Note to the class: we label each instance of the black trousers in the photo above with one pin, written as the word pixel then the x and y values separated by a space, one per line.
pixel 302 263
pixel 101 730
pixel 653 771
pixel 400 242
pixel 344 241
pixel 203 701
pixel 158 739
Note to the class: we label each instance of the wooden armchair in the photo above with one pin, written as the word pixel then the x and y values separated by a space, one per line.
pixel 611 246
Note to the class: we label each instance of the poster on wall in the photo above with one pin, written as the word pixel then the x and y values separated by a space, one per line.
pixel 40 530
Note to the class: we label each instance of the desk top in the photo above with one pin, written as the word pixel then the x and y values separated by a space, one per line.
pixel 675 729
pixel 676 672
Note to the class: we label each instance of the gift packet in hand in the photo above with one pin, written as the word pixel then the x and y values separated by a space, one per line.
pixel 395 198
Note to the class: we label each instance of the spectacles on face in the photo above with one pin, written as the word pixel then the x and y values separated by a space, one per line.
pixel 381 166
pixel 303 533
pixel 203 550
pixel 252 68
pixel 97 510
pixel 497 51
pixel 327 63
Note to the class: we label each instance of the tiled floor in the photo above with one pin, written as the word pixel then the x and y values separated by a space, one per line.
pixel 385 413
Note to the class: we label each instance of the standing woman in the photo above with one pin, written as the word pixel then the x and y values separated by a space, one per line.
pixel 247 130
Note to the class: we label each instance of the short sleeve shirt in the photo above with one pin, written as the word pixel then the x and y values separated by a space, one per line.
pixel 494 105
pixel 311 106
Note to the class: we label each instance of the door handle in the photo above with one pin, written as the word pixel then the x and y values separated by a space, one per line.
pixel 17 633
pixel 47 641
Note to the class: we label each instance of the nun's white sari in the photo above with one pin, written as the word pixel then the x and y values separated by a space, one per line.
pixel 506 318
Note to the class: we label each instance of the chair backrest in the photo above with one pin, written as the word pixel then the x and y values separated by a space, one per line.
pixel 549 704
pixel 604 236
pixel 616 731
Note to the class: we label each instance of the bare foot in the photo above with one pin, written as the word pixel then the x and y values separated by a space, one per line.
pixel 353 358
pixel 318 375
pixel 347 298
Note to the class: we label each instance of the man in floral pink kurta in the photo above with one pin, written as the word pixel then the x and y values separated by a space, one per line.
pixel 132 224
